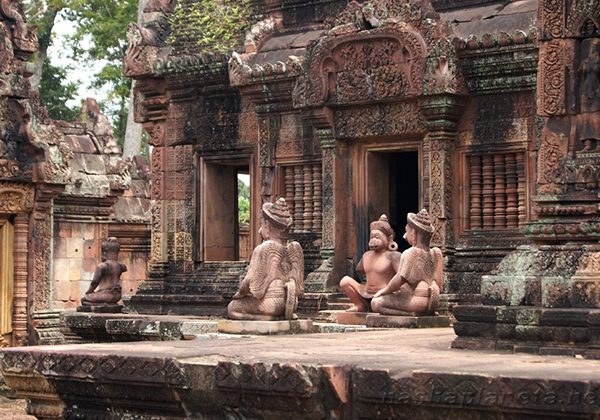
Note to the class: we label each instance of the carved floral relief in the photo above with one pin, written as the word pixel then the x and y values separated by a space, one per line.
pixel 15 197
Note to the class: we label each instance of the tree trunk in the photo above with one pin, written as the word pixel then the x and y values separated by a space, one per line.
pixel 133 133
pixel 44 39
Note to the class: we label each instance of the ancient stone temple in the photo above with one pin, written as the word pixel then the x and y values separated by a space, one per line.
pixel 544 297
pixel 61 194
pixel 349 110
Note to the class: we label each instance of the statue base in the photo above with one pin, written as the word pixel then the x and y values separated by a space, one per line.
pixel 101 308
pixel 298 326
pixel 390 321
pixel 352 318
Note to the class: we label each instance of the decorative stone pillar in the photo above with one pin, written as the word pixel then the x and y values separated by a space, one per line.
pixel 322 278
pixel 442 113
pixel 159 261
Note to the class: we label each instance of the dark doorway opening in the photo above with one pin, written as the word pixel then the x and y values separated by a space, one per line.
pixel 393 189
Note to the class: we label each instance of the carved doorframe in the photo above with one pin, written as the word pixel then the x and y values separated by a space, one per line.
pixel 202 198
pixel 17 200
pixel 6 275
pixel 361 151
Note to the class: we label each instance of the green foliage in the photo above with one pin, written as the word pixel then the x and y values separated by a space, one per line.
pixel 55 92
pixel 216 24
pixel 101 35
pixel 42 14
pixel 101 27
pixel 243 202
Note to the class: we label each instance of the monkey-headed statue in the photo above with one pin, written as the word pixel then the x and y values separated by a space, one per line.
pixel 275 277
pixel 415 289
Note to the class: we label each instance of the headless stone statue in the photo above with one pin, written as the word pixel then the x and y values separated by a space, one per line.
pixel 105 288
pixel 275 277
pixel 415 289
pixel 379 265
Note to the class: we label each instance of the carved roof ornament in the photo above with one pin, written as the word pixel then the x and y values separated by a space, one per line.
pixel 24 37
pixel 146 39
pixel 242 74
pixel 260 31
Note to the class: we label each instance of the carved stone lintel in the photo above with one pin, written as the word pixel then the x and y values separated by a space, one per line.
pixel 16 197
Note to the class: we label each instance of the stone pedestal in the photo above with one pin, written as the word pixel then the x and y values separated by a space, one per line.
pixel 106 327
pixel 299 326
pixel 352 318
pixel 387 321
pixel 101 308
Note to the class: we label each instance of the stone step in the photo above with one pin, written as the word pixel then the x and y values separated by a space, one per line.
pixel 328 316
pixel 338 305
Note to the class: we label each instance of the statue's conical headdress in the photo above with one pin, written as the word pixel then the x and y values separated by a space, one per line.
pixel 277 213
pixel 421 221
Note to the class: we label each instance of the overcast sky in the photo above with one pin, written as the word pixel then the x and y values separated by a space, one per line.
pixel 77 71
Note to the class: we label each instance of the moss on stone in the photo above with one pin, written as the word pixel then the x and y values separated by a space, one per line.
pixel 219 25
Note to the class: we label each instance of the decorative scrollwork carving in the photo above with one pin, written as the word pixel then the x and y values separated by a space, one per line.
pixel 15 197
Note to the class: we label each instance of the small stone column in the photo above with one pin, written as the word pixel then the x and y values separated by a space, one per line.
pixel 21 270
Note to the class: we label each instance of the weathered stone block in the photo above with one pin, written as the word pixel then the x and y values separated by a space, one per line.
pixel 475 329
pixel 507 314
pixel 264 327
pixel 473 343
pixel 74 247
pixel 75 269
pixel 496 290
pixel 556 292
pixel 585 291
pixel 63 290
pixel 477 313
pixel 78 289
pixel 505 331
pixel 352 318
pixel 510 290
pixel 386 321
pixel 101 309
pixel 61 269
pixel 92 164
pixel 528 316
pixel 564 317
pixel 190 329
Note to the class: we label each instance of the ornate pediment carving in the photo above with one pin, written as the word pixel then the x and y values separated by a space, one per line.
pixel 380 50
pixel 15 197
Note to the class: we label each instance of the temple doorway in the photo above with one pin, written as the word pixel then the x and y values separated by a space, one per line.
pixel 226 210
pixel 6 277
pixel 393 188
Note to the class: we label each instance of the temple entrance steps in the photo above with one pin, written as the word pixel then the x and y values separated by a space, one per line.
pixel 322 306
pixel 210 278
pixel 205 292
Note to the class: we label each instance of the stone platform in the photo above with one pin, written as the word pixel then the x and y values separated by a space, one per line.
pixel 101 309
pixel 374 320
pixel 104 327
pixel 410 374
pixel 352 318
pixel 529 329
pixel 387 321
pixel 298 326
